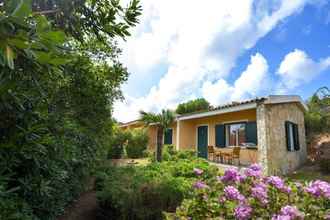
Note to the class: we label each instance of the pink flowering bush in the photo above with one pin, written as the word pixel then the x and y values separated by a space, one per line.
pixel 250 195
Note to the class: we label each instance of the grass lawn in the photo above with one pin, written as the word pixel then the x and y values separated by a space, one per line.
pixel 309 173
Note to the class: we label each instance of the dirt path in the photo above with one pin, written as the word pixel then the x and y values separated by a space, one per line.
pixel 85 208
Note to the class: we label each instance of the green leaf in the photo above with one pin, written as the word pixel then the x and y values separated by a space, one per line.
pixel 9 55
pixel 23 9
pixel 43 57
pixel 59 61
pixel 57 37
pixel 21 44
pixel 42 24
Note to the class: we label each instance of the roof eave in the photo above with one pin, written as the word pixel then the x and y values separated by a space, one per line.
pixel 236 108
pixel 279 99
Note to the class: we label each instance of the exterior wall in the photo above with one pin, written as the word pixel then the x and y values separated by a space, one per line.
pixel 152 133
pixel 174 127
pixel 188 128
pixel 132 126
pixel 187 135
pixel 279 159
pixel 263 136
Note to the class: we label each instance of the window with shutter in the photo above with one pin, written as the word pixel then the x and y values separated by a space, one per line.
pixel 287 135
pixel 168 136
pixel 251 133
pixel 292 136
pixel 296 137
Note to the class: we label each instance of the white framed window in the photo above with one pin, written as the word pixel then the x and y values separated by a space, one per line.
pixel 235 134
pixel 292 136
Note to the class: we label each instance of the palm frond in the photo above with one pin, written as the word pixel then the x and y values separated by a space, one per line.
pixel 148 118
pixel 164 119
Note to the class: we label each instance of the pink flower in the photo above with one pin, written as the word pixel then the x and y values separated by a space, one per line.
pixel 286 189
pixel 200 185
pixel 275 181
pixel 319 188
pixel 259 191
pixel 222 199
pixel 198 172
pixel 231 175
pixel 243 212
pixel 289 213
pixel 232 193
pixel 254 170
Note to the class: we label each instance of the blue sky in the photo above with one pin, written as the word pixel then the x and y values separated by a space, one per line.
pixel 224 51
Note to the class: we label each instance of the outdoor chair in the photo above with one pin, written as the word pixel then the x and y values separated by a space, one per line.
pixel 210 151
pixel 235 155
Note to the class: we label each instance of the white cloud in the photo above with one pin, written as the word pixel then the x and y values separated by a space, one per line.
pixel 200 42
pixel 298 68
pixel 250 83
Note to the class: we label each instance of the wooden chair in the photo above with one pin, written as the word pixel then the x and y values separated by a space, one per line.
pixel 235 155
pixel 210 151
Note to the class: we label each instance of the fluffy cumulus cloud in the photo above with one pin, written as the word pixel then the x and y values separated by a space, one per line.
pixel 250 83
pixel 199 43
pixel 298 68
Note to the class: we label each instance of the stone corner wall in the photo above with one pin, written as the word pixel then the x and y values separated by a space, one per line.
pixel 279 159
pixel 263 142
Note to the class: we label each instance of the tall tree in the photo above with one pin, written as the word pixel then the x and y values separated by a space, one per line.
pixel 317 118
pixel 163 121
pixel 193 106
pixel 59 75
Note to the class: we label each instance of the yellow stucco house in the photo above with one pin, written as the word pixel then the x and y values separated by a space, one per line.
pixel 270 131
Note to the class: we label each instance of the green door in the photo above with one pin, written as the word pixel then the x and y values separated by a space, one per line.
pixel 202 141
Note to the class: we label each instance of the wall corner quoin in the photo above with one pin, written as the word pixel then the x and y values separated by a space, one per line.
pixel 262 137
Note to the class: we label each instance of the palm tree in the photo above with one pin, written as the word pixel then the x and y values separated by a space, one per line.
pixel 163 121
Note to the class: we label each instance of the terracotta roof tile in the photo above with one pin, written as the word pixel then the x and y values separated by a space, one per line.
pixel 232 104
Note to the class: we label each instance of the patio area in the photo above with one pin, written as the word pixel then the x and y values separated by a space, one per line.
pixel 238 156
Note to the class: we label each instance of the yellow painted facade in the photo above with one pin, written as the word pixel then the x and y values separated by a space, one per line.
pixel 188 131
pixel 188 128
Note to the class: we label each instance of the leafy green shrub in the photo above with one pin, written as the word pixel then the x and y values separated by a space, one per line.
pixel 129 193
pixel 117 143
pixel 11 206
pixel 168 152
pixel 325 165
pixel 56 99
pixel 317 118
pixel 145 192
pixel 137 143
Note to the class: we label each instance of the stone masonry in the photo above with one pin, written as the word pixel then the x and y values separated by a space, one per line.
pixel 273 153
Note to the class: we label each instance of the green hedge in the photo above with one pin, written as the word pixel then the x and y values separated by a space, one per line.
pixel 137 143
pixel 145 192
pixel 132 142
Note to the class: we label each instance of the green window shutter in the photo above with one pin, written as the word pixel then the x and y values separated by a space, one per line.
pixel 220 136
pixel 296 137
pixel 251 132
pixel 168 136
pixel 287 135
